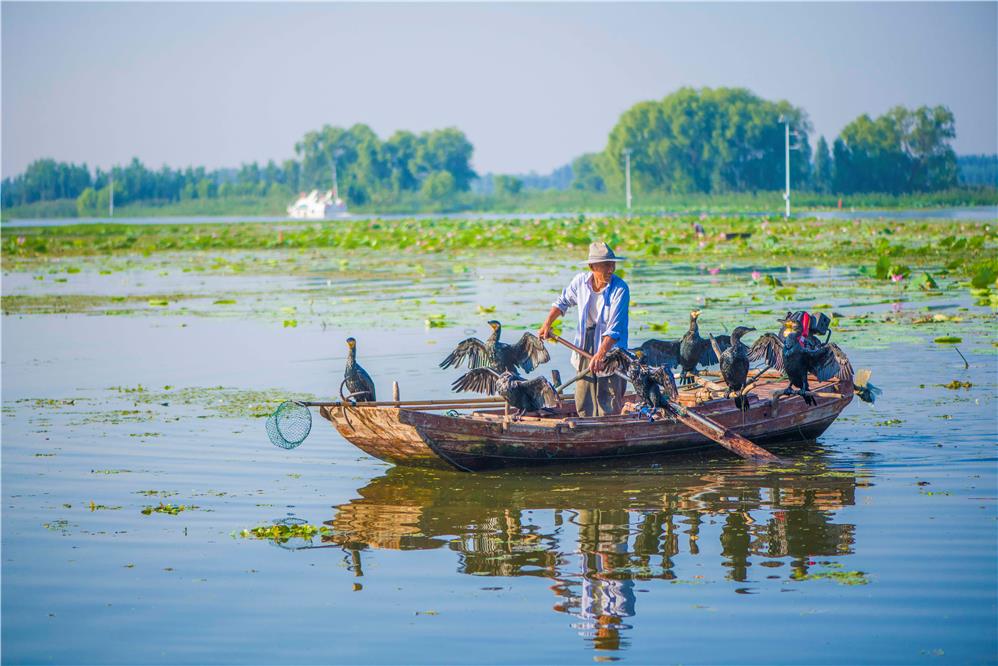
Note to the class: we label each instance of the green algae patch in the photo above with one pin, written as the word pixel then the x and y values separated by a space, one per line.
pixel 282 533
pixel 957 384
pixel 80 303
pixel 840 577
pixel 168 509
pixel 221 401
pixel 948 340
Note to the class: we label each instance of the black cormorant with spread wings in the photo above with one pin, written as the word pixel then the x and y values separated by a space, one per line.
pixel 797 355
pixel 655 384
pixel 533 395
pixel 527 353
pixel 689 351
pixel 358 382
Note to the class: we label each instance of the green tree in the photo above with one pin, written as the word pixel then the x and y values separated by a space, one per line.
pixel 507 186
pixel 822 167
pixel 706 140
pixel 586 173
pixel 206 188
pixel 446 150
pixel 439 185
pixel 86 203
pixel 901 151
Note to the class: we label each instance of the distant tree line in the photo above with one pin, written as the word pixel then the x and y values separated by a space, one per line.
pixel 436 164
pixel 729 140
pixel 692 141
pixel 978 170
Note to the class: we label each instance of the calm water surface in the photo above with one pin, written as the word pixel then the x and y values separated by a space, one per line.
pixel 877 545
pixel 969 213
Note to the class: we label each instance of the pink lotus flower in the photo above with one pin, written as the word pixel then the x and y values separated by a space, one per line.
pixel 756 275
pixel 714 271
pixel 20 240
pixel 896 278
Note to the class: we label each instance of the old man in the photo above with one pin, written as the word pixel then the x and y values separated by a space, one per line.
pixel 602 299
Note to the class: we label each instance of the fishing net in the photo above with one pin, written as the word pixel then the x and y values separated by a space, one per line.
pixel 289 425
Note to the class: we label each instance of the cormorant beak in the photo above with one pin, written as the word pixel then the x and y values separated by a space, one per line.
pixel 788 329
pixel 695 314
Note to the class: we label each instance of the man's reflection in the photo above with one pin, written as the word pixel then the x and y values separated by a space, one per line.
pixel 594 540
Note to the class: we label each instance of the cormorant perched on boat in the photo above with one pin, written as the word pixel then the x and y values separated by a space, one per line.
pixel 357 381
pixel 527 353
pixel 655 384
pixel 797 356
pixel 689 351
pixel 532 395
pixel 695 350
pixel 734 363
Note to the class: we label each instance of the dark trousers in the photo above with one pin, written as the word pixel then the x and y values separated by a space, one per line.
pixel 597 396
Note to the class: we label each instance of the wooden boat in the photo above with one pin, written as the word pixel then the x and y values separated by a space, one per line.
pixel 418 434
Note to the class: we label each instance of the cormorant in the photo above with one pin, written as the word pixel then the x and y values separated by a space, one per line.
pixel 796 355
pixel 532 395
pixel 734 363
pixel 358 382
pixel 655 384
pixel 689 351
pixel 527 353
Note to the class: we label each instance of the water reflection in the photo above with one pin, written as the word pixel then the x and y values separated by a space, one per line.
pixel 598 534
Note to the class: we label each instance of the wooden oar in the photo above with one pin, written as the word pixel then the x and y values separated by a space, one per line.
pixel 709 428
pixel 450 402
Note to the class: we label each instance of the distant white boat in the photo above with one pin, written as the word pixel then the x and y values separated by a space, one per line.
pixel 315 206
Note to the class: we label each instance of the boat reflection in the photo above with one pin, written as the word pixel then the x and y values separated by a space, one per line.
pixel 598 534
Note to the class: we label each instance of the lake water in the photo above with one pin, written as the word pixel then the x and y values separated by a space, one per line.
pixel 970 213
pixel 878 544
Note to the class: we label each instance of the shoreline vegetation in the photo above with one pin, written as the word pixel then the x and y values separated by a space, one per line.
pixel 528 202
pixel 717 150
pixel 885 247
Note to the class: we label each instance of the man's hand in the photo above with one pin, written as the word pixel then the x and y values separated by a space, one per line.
pixel 544 332
pixel 597 362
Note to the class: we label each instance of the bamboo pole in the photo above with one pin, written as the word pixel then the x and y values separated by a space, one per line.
pixel 405 403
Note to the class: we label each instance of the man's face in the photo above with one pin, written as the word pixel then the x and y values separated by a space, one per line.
pixel 604 269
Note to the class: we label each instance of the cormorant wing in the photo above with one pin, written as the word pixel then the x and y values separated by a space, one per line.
pixel 479 380
pixel 471 349
pixel 540 388
pixel 663 377
pixel 661 352
pixel 715 346
pixel 768 348
pixel 368 383
pixel 830 361
pixel 529 352
pixel 617 359
pixel 712 354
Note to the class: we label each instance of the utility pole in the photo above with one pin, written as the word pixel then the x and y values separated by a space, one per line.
pixel 787 148
pixel 627 176
pixel 786 144
pixel 110 205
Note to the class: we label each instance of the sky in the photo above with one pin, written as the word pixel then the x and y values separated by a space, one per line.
pixel 532 85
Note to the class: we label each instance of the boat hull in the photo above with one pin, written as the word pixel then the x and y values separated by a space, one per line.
pixel 488 441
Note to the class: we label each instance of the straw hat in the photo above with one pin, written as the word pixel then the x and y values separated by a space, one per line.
pixel 599 252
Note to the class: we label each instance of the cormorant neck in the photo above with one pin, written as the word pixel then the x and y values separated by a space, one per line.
pixel 495 334
pixel 351 355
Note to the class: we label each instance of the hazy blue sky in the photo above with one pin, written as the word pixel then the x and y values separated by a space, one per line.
pixel 532 85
